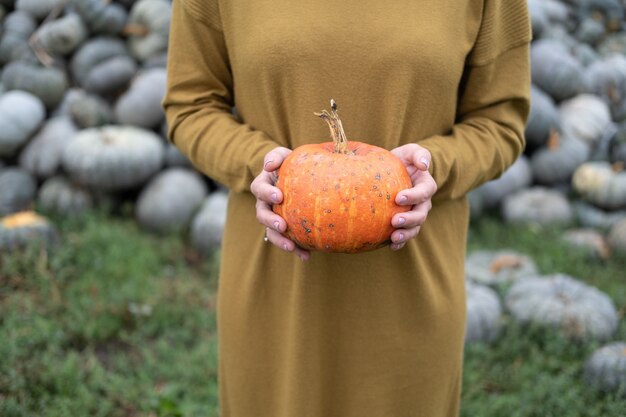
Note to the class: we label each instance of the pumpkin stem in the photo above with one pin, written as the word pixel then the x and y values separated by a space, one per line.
pixel 135 29
pixel 336 128
pixel 554 140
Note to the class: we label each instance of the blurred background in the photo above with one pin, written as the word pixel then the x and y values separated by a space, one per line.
pixel 109 238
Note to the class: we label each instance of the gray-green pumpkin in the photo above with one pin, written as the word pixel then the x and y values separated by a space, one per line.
pixel 617 237
pixel 585 117
pixel 617 148
pixel 563 303
pixel 47 83
pixel 590 31
pixel 25 229
pixel 17 28
pixel 102 17
pixel 614 43
pixel 556 71
pixel 609 12
pixel 537 205
pixel 207 227
pixel 17 190
pixel 42 156
pixel 154 17
pixel 556 162
pixel 62 36
pixel 484 314
pixel 60 195
pixel 141 104
pixel 169 200
pixel 175 158
pixel 85 109
pixel 95 68
pixel 589 215
pixel 113 157
pixel 606 368
pixel 21 114
pixel 543 119
pixel 517 177
pixel 538 17
pixel 601 184
pixel 498 267
pixel 607 79
pixel 39 8
pixel 111 76
pixel 591 242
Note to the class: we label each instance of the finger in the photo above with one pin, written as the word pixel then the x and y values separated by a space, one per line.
pixel 413 218
pixel 421 158
pixel 286 244
pixel 266 216
pixel 421 192
pixel 263 189
pixel 401 236
pixel 397 246
pixel 275 158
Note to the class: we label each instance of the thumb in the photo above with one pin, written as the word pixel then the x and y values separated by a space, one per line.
pixel 274 158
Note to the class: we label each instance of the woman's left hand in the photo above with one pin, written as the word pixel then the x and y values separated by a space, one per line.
pixel 416 159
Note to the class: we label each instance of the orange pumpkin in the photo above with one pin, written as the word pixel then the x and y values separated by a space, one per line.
pixel 340 196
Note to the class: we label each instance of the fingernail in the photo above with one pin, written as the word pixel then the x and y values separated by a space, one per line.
pixel 274 197
pixel 403 199
pixel 401 220
pixel 285 247
pixel 401 237
pixel 424 161
pixel 267 162
pixel 276 224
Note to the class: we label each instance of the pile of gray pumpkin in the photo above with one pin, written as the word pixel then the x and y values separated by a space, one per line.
pixel 81 123
pixel 572 171
pixel 557 302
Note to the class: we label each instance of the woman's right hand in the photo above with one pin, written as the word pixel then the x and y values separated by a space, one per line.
pixel 267 194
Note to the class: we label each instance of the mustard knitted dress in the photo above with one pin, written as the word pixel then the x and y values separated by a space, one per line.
pixel 374 334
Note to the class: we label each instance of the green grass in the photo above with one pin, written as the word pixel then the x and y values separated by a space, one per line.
pixel 112 322
pixel 538 372
pixel 116 322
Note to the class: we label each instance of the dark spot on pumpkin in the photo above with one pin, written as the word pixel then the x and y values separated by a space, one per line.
pixel 353 198
pixel 328 211
pixel 377 176
pixel 374 187
pixel 388 196
pixel 356 188
pixel 331 225
pixel 380 194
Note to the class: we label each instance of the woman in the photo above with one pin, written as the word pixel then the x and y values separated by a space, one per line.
pixel 442 83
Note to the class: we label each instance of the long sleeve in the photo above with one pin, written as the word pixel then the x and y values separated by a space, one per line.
pixel 493 104
pixel 199 98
